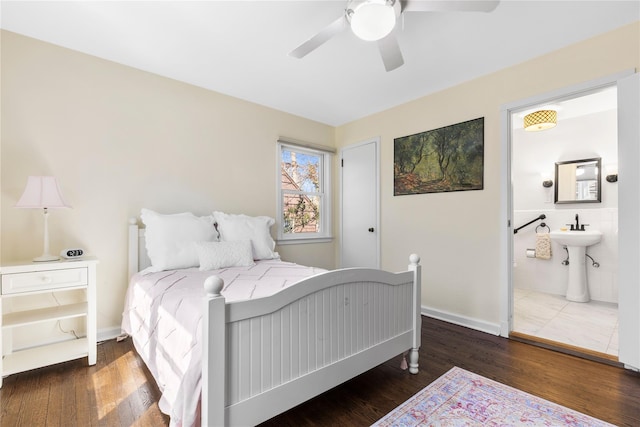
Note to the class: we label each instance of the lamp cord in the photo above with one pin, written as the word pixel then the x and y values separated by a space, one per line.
pixel 70 331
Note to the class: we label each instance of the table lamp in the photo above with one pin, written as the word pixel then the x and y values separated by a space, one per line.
pixel 43 192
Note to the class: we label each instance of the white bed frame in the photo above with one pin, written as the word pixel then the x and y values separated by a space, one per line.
pixel 262 357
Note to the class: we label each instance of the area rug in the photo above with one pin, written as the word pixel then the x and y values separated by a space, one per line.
pixel 462 398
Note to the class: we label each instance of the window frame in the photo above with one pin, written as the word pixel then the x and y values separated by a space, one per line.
pixel 325 195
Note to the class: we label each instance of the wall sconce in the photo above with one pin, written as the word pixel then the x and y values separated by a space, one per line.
pixel 547 178
pixel 611 171
pixel 547 183
pixel 540 120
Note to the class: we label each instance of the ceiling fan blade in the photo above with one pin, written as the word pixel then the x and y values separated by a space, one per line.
pixel 324 35
pixel 449 6
pixel 390 52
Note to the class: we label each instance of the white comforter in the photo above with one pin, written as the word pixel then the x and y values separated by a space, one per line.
pixel 163 313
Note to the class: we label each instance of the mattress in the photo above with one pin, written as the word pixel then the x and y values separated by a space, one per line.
pixel 163 315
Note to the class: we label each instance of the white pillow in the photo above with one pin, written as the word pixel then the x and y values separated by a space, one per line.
pixel 216 255
pixel 169 238
pixel 243 227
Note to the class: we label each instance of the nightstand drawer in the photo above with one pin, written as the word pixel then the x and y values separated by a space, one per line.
pixel 43 280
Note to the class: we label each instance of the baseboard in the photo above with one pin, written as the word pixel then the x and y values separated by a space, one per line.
pixel 105 334
pixel 467 322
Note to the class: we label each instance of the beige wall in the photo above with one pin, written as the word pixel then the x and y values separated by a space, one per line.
pixel 457 234
pixel 119 139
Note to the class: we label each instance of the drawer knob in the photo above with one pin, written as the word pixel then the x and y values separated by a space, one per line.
pixel 46 279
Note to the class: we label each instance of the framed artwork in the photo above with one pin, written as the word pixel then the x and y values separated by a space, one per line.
pixel 450 158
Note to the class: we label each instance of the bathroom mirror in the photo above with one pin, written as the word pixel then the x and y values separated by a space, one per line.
pixel 578 181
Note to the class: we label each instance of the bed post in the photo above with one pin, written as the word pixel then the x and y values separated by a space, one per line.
pixel 414 265
pixel 133 248
pixel 213 354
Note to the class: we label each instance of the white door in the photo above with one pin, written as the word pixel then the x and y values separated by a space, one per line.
pixel 628 220
pixel 360 236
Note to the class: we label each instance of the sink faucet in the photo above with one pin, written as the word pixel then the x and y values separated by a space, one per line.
pixel 577 226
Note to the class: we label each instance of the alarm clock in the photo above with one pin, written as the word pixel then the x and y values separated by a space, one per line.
pixel 71 253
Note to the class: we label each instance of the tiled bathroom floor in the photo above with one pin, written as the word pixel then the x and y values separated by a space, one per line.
pixel 592 325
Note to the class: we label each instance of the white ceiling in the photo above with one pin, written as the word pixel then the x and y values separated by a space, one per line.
pixel 240 48
pixel 584 104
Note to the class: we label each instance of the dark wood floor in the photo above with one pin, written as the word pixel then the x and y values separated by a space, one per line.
pixel 119 391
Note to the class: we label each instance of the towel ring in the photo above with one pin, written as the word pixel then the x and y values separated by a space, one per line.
pixel 543 225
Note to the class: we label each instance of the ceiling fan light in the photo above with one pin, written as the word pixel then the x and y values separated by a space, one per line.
pixel 540 120
pixel 373 20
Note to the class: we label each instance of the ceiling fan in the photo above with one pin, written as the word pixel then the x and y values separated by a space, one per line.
pixel 374 20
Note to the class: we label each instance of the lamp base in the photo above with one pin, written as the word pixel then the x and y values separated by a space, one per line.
pixel 46 257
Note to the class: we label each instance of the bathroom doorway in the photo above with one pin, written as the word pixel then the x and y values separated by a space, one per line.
pixel 627 274
pixel 543 311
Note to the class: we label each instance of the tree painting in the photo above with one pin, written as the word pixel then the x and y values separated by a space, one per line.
pixel 450 158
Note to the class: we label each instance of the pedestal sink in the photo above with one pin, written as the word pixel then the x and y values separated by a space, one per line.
pixel 576 243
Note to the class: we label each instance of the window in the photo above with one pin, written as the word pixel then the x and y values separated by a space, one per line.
pixel 304 199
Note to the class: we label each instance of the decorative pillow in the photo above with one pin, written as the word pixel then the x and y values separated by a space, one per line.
pixel 169 238
pixel 253 228
pixel 216 255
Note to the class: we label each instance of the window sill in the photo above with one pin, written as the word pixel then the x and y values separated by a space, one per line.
pixel 305 240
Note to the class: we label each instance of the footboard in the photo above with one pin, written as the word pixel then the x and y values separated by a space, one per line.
pixel 264 356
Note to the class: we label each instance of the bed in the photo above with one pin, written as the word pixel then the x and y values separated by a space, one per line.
pixel 256 351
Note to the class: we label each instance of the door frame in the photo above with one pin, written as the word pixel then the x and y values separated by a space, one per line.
pixel 506 190
pixel 376 142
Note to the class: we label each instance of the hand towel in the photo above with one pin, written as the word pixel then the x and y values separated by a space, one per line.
pixel 543 246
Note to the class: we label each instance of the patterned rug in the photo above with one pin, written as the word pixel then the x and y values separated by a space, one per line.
pixel 462 398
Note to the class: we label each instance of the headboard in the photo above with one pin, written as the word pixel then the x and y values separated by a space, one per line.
pixel 138 258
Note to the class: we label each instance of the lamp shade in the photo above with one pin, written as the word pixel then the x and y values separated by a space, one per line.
pixel 42 192
pixel 540 120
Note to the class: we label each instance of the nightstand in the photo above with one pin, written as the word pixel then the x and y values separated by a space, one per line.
pixel 27 279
